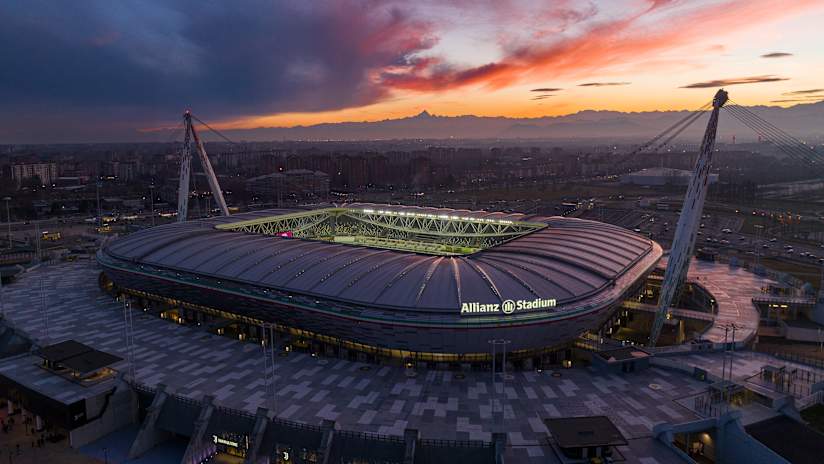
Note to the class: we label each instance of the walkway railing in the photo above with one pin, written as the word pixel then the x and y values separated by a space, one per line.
pixel 792 357
pixel 810 400
pixel 369 436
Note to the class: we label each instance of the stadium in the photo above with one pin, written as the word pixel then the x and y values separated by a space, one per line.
pixel 367 281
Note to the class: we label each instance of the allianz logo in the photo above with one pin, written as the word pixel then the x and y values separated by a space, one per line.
pixel 507 306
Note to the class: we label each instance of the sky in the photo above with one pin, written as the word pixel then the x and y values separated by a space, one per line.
pixel 102 70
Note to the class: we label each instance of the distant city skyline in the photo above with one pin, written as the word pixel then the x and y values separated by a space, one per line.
pixel 101 71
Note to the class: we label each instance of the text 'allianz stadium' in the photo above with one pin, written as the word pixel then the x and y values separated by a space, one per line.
pixel 404 280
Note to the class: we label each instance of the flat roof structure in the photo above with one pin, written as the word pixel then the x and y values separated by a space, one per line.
pixel 90 361
pixel 26 370
pixel 59 352
pixel 794 441
pixel 623 354
pixel 77 357
pixel 584 432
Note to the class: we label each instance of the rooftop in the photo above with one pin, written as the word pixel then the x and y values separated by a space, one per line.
pixel 623 354
pixel 63 350
pixel 581 432
pixel 77 357
pixel 373 255
pixel 792 440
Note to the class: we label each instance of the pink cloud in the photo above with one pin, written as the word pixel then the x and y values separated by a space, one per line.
pixel 599 47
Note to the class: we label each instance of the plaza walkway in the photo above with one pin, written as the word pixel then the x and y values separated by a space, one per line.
pixel 360 397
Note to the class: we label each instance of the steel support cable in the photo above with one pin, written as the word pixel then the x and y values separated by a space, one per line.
pixel 218 133
pixel 793 155
pixel 174 133
pixel 771 125
pixel 685 122
pixel 781 143
pixel 666 131
pixel 784 142
pixel 775 134
pixel 672 137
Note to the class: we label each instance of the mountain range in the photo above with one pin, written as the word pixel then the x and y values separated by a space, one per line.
pixel 803 121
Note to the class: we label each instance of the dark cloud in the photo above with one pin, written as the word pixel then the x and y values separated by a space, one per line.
pixel 145 63
pixel 546 89
pixel 805 97
pixel 776 55
pixel 734 81
pixel 542 97
pixel 804 100
pixel 803 92
pixel 602 84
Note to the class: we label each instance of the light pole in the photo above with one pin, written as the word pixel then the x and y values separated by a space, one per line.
pixel 263 333
pixel 724 358
pixel 3 307
pixel 273 342
pixel 8 219
pixel 502 343
pixel 151 189
pixel 99 218
pixel 45 309
pixel 758 228
pixel 2 296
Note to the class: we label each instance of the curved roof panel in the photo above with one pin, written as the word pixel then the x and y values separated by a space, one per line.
pixel 567 260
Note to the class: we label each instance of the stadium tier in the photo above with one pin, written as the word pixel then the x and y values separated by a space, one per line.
pixel 399 281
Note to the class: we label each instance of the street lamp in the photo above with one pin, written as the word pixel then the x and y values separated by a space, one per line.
pixel 151 189
pixel 498 342
pixel 99 218
pixel 8 218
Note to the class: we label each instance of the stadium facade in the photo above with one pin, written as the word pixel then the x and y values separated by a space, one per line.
pixel 384 281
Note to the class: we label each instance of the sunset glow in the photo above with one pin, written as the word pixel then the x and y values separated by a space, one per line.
pixel 291 63
pixel 656 49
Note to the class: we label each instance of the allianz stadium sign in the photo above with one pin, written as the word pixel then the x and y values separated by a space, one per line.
pixel 506 307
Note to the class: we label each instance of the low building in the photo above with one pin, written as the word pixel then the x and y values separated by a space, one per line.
pixel 46 172
pixel 658 177
pixel 625 359
pixel 583 439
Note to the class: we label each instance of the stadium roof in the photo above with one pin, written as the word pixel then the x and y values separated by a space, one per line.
pixel 567 260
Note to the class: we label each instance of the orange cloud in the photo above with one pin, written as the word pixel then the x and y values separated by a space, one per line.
pixel 599 48
pixel 602 84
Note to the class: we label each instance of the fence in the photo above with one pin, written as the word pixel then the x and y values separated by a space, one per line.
pixel 455 443
pixel 369 436
pixel 810 400
pixel 317 428
pixel 792 357
pixel 762 271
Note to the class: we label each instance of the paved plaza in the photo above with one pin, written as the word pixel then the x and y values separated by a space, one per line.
pixel 360 397
pixel 733 289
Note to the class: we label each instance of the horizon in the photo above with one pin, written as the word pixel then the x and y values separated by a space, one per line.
pixel 364 130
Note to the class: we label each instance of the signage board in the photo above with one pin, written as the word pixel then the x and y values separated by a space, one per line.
pixel 506 307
